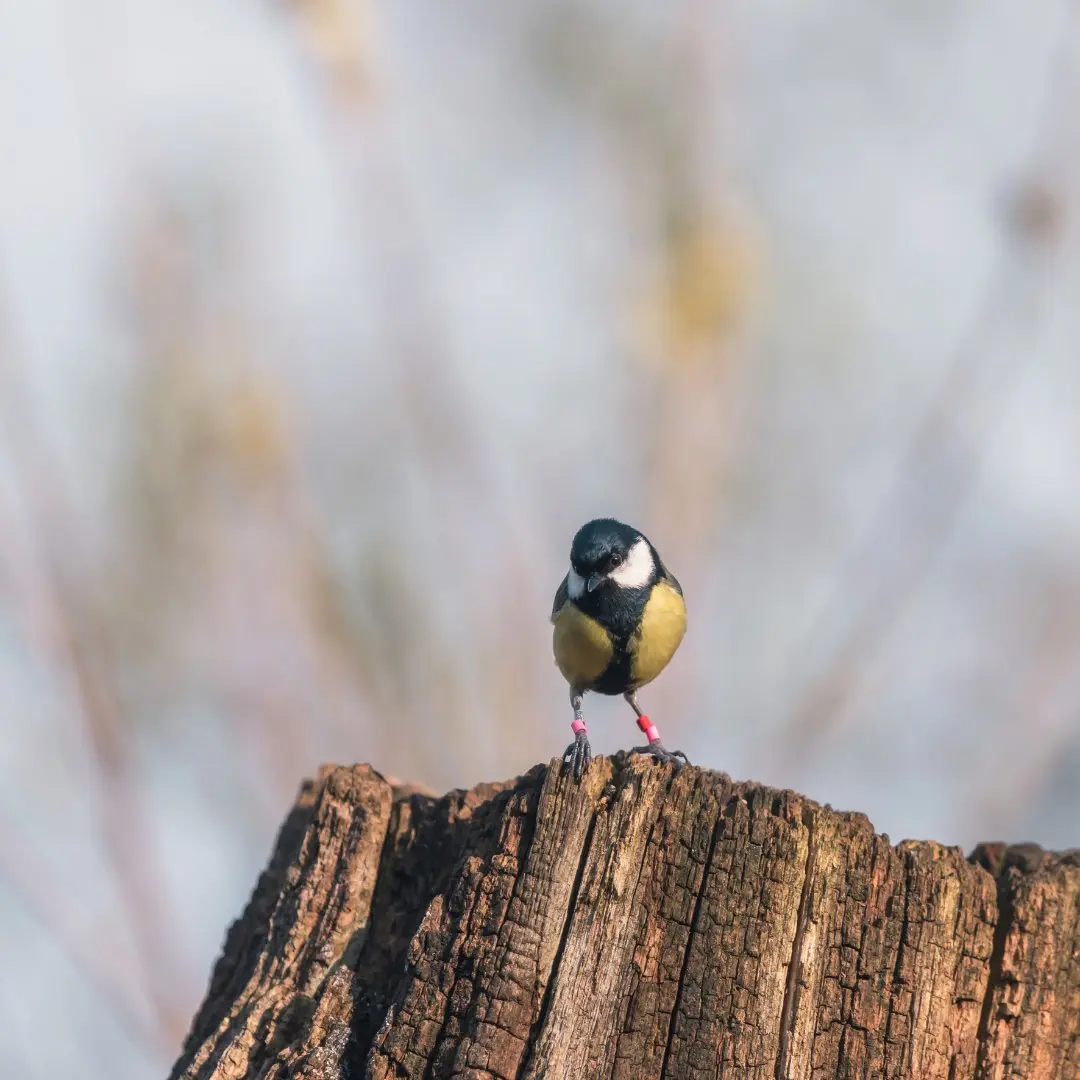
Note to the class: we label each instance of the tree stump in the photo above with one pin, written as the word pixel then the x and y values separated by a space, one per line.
pixel 641 924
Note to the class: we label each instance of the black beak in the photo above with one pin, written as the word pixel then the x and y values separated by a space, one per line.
pixel 594 580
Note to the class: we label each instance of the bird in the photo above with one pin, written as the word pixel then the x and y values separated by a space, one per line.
pixel 618 617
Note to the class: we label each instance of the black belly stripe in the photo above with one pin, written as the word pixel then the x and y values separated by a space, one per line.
pixel 619 611
pixel 616 677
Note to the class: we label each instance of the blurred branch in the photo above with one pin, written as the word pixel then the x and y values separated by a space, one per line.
pixel 417 329
pixel 127 843
pixel 94 959
pixel 338 33
pixel 877 584
pixel 1047 709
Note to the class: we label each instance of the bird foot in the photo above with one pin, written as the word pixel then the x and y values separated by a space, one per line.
pixel 657 750
pixel 577 755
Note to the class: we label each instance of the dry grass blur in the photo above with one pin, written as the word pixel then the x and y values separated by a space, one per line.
pixel 301 486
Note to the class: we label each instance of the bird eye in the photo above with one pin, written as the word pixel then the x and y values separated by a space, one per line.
pixel 616 559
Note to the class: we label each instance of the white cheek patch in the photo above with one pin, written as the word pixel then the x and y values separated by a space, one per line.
pixel 637 568
pixel 575 584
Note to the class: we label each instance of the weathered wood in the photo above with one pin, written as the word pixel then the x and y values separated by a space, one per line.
pixel 640 925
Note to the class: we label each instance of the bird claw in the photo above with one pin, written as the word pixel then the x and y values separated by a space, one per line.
pixel 663 755
pixel 577 755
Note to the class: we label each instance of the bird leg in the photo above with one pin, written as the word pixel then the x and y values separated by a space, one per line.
pixel 578 754
pixel 655 748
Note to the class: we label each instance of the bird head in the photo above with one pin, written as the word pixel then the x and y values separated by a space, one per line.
pixel 606 552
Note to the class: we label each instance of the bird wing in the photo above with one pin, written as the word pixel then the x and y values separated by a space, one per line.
pixel 562 595
pixel 666 575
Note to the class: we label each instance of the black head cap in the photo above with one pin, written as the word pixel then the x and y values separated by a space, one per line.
pixel 601 545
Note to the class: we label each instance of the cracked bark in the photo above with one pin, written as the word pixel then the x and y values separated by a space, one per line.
pixel 640 925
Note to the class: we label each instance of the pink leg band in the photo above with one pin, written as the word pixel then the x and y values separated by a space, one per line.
pixel 649 728
pixel 578 726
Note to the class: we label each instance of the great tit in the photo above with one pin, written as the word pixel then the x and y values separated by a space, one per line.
pixel 619 616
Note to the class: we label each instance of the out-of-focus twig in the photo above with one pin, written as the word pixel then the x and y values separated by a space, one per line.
pixel 64 617
pixel 338 33
pixel 878 582
pixel 1046 707
pixel 94 959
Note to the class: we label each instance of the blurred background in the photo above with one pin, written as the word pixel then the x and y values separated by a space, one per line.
pixel 323 326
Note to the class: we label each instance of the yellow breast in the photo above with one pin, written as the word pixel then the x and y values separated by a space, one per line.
pixel 663 624
pixel 582 646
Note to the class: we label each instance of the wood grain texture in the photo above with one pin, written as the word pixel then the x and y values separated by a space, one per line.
pixel 641 925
